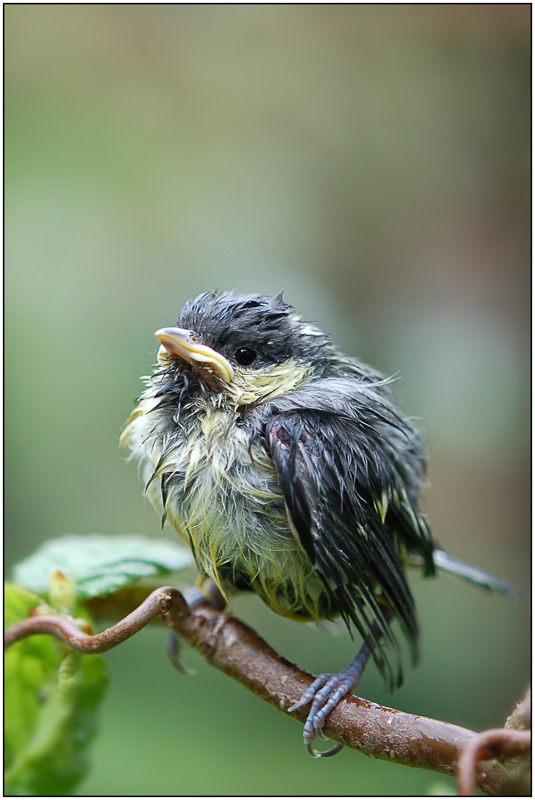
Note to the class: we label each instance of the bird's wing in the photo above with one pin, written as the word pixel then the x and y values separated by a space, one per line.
pixel 346 498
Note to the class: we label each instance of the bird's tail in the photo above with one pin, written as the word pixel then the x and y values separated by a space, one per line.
pixel 485 579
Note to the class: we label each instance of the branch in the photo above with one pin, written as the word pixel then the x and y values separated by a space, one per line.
pixel 66 630
pixel 377 731
pixel 235 649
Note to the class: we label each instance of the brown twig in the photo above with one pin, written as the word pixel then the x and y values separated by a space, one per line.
pixel 65 629
pixel 230 646
pixel 493 743
pixel 377 731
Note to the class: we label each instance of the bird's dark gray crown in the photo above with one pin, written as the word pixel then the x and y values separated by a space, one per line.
pixel 227 322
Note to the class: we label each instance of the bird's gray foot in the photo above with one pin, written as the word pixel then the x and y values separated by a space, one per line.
pixel 327 691
pixel 325 694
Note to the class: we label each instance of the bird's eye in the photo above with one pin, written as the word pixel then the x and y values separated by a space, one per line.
pixel 245 356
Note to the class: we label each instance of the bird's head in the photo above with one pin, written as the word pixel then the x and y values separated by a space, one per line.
pixel 243 348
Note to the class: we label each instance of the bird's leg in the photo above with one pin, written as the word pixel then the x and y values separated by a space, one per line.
pixel 326 692
pixel 194 597
pixel 173 649
pixel 209 595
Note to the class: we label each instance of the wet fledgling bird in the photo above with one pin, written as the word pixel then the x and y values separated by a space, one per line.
pixel 290 471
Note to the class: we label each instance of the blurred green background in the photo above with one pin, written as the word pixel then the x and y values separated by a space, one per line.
pixel 373 162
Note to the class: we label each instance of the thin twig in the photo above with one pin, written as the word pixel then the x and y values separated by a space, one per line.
pixel 65 629
pixel 489 744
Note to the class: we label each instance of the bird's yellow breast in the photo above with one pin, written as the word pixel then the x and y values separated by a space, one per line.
pixel 224 498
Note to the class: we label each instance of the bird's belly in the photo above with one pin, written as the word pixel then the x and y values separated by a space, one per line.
pixel 227 503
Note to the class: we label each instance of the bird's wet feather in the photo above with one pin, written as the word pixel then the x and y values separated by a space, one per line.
pixel 291 472
pixel 316 519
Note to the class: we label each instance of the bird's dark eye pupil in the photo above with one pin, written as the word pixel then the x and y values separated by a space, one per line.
pixel 245 356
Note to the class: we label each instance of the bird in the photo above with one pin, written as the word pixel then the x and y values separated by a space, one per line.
pixel 290 471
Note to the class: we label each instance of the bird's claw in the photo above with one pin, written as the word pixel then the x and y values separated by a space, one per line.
pixel 323 753
pixel 174 652
pixel 325 693
pixel 319 732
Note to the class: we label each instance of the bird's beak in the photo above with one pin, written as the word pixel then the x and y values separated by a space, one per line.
pixel 180 343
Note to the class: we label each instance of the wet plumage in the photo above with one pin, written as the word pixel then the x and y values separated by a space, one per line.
pixel 288 468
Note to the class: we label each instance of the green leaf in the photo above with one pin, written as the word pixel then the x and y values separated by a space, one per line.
pixel 51 699
pixel 18 603
pixel 99 565
pixel 29 668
